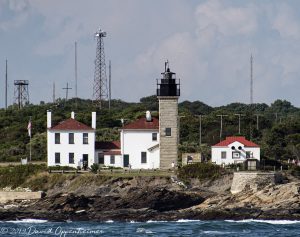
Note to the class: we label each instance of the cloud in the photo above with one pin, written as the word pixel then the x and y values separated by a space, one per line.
pixel 208 44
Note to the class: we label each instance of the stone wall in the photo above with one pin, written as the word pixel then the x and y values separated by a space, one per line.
pixel 251 180
pixel 168 118
pixel 11 196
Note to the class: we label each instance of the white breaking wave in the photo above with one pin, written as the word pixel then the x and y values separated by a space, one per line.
pixel 143 230
pixel 151 221
pixel 273 222
pixel 28 221
pixel 215 232
pixel 185 220
pixel 109 221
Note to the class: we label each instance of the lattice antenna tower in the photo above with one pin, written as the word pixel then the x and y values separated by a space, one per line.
pixel 100 90
pixel 21 93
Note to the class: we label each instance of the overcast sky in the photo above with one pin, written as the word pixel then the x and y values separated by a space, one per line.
pixel 208 44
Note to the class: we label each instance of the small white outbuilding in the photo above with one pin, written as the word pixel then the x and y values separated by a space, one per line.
pixel 234 150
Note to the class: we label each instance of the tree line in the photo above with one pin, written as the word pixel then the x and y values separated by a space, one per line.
pixel 276 128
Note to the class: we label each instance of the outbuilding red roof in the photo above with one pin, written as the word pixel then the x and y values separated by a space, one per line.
pixel 239 139
pixel 107 145
pixel 142 124
pixel 71 124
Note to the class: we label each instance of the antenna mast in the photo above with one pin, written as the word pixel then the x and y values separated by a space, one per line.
pixel 100 92
pixel 75 69
pixel 109 84
pixel 6 84
pixel 251 79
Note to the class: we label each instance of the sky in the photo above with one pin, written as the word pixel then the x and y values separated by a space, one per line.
pixel 208 44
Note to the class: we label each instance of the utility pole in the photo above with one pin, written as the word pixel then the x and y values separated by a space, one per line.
pixel 53 92
pixel 221 128
pixel 67 90
pixel 6 84
pixel 239 115
pixel 200 128
pixel 257 121
pixel 276 116
pixel 179 117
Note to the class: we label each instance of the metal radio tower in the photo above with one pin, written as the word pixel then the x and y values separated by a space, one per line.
pixel 100 92
pixel 21 93
pixel 251 79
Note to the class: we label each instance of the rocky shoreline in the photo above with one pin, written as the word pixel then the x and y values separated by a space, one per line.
pixel 160 199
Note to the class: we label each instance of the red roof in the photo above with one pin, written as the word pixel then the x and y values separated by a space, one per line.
pixel 107 145
pixel 142 124
pixel 71 124
pixel 239 139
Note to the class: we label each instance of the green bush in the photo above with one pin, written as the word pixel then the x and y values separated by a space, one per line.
pixel 200 171
pixel 14 176
pixel 95 168
pixel 58 167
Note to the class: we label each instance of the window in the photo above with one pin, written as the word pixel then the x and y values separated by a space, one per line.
pixel 249 154
pixel 71 158
pixel 101 158
pixel 144 157
pixel 85 138
pixel 168 132
pixel 71 138
pixel 236 154
pixel 57 158
pixel 112 159
pixel 223 154
pixel 57 138
pixel 154 136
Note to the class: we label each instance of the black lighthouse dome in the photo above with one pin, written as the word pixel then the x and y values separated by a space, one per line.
pixel 168 85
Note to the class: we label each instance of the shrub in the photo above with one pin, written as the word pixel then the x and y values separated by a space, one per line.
pixel 95 168
pixel 200 171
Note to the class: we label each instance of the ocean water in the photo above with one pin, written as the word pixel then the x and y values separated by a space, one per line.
pixel 31 227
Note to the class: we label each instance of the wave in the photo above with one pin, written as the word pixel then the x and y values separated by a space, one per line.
pixel 28 221
pixel 273 222
pixel 143 230
pixel 109 221
pixel 186 220
pixel 151 221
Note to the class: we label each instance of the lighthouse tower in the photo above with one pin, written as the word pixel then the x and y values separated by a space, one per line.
pixel 168 92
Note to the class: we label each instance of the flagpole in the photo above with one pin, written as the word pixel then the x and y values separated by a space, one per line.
pixel 30 141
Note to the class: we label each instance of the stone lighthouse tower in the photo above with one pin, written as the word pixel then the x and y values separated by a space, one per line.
pixel 168 92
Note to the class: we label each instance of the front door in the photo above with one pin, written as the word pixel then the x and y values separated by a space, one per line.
pixel 126 160
pixel 85 161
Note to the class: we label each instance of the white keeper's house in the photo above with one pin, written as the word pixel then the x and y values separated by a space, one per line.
pixel 234 150
pixel 71 143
